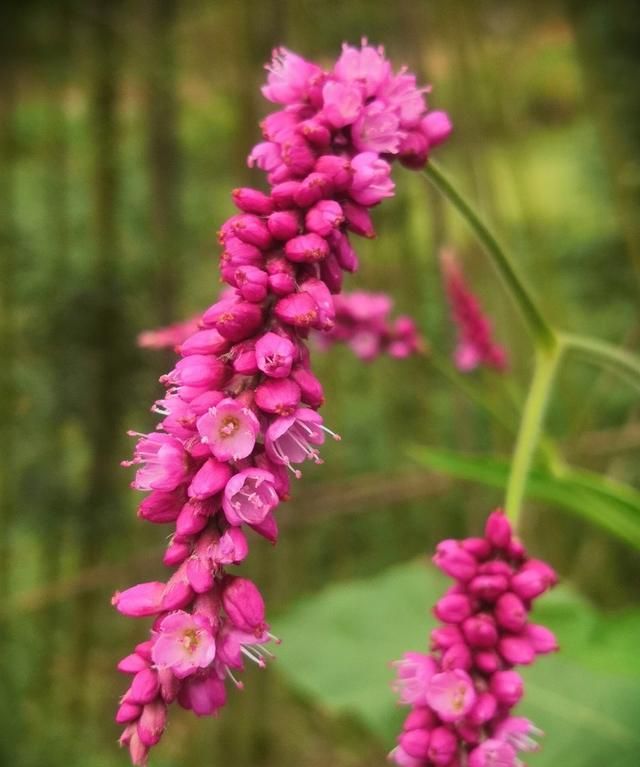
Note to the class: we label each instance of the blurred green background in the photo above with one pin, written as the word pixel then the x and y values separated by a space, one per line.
pixel 123 127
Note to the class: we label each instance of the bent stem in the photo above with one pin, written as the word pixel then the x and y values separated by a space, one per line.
pixel 539 328
pixel 535 408
pixel 624 363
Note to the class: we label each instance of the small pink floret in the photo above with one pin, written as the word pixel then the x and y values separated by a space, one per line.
pixel 229 429
pixel 451 694
pixel 184 644
pixel 249 496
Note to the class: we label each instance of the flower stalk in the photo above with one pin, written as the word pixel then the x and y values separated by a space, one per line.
pixel 533 415
pixel 541 331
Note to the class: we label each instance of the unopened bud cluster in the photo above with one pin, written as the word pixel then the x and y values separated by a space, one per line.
pixel 463 693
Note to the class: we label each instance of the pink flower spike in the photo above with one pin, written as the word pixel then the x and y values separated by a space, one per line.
pixel 229 430
pixel 476 346
pixel 184 644
pixel 451 694
pixel 249 496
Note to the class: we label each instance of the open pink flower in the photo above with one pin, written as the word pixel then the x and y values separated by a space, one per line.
pixel 229 429
pixel 451 694
pixel 413 674
pixel 184 644
pixel 164 462
pixel 249 496
pixel 294 438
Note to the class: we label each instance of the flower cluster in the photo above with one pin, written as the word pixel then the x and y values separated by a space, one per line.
pixel 463 693
pixel 362 322
pixel 475 346
pixel 240 410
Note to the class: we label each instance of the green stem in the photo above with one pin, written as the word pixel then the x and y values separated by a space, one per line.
pixel 624 363
pixel 539 328
pixel 535 408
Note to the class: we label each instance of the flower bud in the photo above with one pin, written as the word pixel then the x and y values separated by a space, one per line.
pixel 480 630
pixel 210 479
pixel 337 169
pixel 284 224
pixel 152 723
pixel 443 745
pixel 235 320
pixel 278 395
pixel 453 608
pixel 250 229
pixel 140 600
pixel 420 718
pixel 128 712
pixel 437 127
pixel 510 612
pixel 358 219
pixel 284 195
pixel 415 743
pixel 484 709
pixel 457 656
pixel 488 587
pixel 204 342
pixel 506 687
pixel 498 530
pixel 453 560
pixel 306 248
pixel 310 388
pixel 298 309
pixel 314 187
pixel 144 687
pixel 324 217
pixel 542 639
pixel 244 605
pixel 252 201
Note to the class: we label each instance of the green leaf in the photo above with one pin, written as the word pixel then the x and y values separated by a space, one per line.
pixel 338 644
pixel 611 505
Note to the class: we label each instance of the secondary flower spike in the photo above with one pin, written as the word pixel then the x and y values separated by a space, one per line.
pixel 462 693
pixel 476 346
pixel 240 414
pixel 362 321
